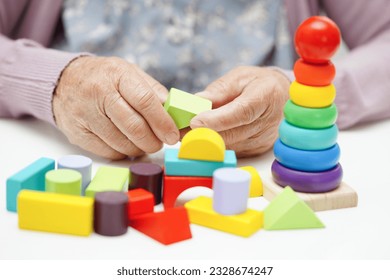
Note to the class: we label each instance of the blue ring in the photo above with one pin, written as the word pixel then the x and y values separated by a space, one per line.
pixel 311 161
pixel 307 139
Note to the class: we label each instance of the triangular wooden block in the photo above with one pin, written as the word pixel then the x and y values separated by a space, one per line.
pixel 288 211
pixel 167 227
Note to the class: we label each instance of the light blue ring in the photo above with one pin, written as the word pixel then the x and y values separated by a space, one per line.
pixel 307 139
pixel 310 161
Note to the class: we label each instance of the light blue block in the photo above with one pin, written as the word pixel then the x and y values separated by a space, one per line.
pixel 184 167
pixel 31 177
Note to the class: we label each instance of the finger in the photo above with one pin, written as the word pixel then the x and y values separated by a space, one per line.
pixel 158 88
pixel 92 143
pixel 183 132
pixel 243 110
pixel 137 92
pixel 131 125
pixel 229 86
pixel 241 133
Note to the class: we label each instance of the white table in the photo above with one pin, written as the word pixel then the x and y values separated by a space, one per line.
pixel 355 233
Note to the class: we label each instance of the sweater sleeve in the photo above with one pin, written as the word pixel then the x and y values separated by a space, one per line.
pixel 363 75
pixel 28 76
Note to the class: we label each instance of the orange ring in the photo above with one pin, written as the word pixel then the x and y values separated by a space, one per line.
pixel 314 74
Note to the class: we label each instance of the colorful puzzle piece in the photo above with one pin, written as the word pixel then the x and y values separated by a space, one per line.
pixel 175 185
pixel 141 201
pixel 186 167
pixel 202 144
pixel 288 211
pixel 53 212
pixel 183 106
pixel 256 184
pixel 108 179
pixel 166 227
pixel 32 177
pixel 64 181
pixel 200 211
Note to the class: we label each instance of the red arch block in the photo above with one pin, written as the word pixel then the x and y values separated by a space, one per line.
pixel 175 185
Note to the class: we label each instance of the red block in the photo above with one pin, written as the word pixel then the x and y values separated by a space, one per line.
pixel 167 227
pixel 175 185
pixel 141 201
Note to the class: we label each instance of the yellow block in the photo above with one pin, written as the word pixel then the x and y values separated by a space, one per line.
pixel 202 144
pixel 312 97
pixel 256 184
pixel 200 211
pixel 54 212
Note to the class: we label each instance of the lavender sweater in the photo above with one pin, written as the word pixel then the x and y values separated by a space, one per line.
pixel 29 72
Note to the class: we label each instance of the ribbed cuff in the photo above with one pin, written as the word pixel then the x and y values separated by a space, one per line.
pixel 28 77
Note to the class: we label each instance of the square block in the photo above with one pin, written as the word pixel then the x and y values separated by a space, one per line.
pixel 187 167
pixel 200 211
pixel 342 197
pixel 53 212
pixel 183 106
pixel 32 177
pixel 141 201
pixel 109 179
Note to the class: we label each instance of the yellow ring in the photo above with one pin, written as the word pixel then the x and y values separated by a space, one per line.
pixel 312 97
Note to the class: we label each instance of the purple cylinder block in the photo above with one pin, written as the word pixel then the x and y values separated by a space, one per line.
pixel 147 176
pixel 110 213
pixel 231 191
pixel 308 182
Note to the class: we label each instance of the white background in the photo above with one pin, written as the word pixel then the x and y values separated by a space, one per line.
pixel 355 233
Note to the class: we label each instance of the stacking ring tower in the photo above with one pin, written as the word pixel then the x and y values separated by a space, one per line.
pixel 306 152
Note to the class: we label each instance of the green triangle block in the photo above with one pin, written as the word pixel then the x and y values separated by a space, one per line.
pixel 288 211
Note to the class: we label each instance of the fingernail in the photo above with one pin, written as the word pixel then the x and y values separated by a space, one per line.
pixel 172 138
pixel 196 123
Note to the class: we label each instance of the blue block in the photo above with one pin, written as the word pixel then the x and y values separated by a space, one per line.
pixel 31 177
pixel 186 167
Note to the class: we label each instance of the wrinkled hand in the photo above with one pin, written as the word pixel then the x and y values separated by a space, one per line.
pixel 247 108
pixel 112 108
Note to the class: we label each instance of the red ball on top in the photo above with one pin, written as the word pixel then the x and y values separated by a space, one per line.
pixel 317 39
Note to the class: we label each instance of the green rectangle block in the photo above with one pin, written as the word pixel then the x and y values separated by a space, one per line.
pixel 183 106
pixel 108 179
pixel 32 177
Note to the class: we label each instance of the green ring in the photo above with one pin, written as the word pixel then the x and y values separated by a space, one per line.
pixel 310 117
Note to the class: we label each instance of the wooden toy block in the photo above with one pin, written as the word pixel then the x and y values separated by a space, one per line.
pixel 79 163
pixel 53 212
pixel 141 201
pixel 108 179
pixel 147 176
pixel 183 106
pixel 186 167
pixel 230 190
pixel 342 197
pixel 202 144
pixel 175 185
pixel 288 211
pixel 201 212
pixel 32 177
pixel 166 227
pixel 256 184
pixel 64 181
pixel 110 213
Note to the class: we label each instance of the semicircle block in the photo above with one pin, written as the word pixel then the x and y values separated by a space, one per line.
pixel 202 144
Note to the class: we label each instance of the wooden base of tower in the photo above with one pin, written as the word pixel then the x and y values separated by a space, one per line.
pixel 342 197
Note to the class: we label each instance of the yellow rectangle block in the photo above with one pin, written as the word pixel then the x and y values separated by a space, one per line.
pixel 54 212
pixel 200 211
